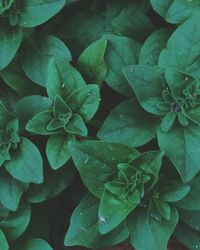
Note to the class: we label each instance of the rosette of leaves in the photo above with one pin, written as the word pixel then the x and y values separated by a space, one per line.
pixel 125 187
pixel 18 15
pixel 169 96
pixel 73 104
pixel 19 157
pixel 116 174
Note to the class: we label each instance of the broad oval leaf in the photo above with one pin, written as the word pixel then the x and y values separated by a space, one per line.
pixel 182 47
pixel 152 47
pixel 11 191
pixel 84 227
pixel 129 124
pixel 26 164
pixel 147 85
pixel 116 58
pixel 185 149
pixel 157 232
pixel 10 40
pixel 37 53
pixel 17 222
pixel 36 12
pixel 54 183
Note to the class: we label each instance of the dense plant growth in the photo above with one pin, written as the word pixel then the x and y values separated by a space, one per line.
pixel 99 123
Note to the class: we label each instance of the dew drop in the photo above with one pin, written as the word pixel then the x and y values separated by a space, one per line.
pixel 102 220
pixel 86 161
pixel 63 86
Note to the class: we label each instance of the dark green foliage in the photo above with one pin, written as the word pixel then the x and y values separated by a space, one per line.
pixel 99 123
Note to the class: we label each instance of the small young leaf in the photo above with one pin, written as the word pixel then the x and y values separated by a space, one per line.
pixel 76 126
pixel 57 150
pixel 175 193
pixel 39 123
pixel 114 209
pixel 85 101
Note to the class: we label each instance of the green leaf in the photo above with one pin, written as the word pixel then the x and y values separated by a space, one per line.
pixel 130 22
pixel 191 200
pixel 3 241
pixel 84 227
pixel 129 124
pixel 114 7
pixel 15 78
pixel 38 124
pixel 147 85
pixel 62 79
pixel 168 121
pixel 91 62
pixel 182 47
pixel 15 225
pixel 57 150
pixel 77 36
pixel 176 11
pixel 29 106
pixel 26 164
pixel 11 191
pixel 152 47
pixel 54 183
pixel 37 52
pixel 60 107
pixel 163 208
pixel 85 101
pixel 188 236
pixel 175 192
pixel 97 162
pixel 157 232
pixel 114 209
pixel 5 116
pixel 184 151
pixel 76 126
pixel 36 12
pixel 10 40
pixel 116 58
pixel 34 244
pixel 191 218
pixel 150 163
